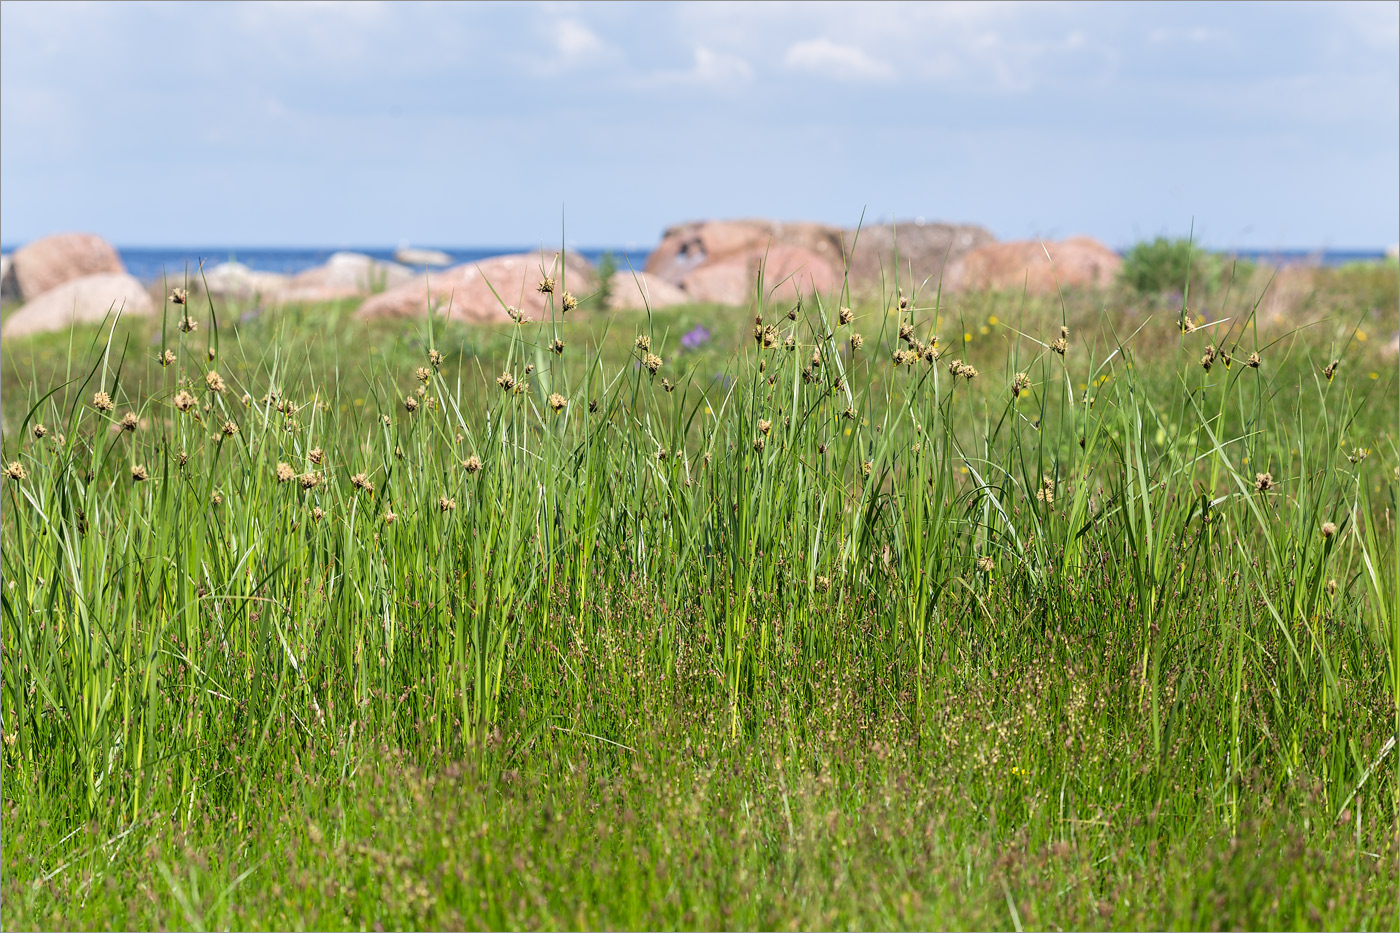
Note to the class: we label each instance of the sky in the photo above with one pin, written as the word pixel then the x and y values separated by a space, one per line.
pixel 1267 126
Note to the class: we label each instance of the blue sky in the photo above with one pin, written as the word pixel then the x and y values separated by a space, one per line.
pixel 329 123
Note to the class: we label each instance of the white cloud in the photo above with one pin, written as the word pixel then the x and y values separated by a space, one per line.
pixel 1197 35
pixel 832 59
pixel 576 42
pixel 711 68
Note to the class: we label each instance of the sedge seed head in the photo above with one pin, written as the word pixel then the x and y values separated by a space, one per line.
pixel 361 482
pixel 129 422
pixel 39 431
pixel 557 402
pixel 229 428
pixel 410 404
pixel 102 401
pixel 139 474
pixel 1264 481
pixel 15 470
pixel 845 316
pixel 445 504
pixel 985 563
pixel 214 381
pixel 178 296
pixel 1329 529
pixel 167 358
pixel 472 464
pixel 568 302
pixel 285 473
pixel 183 400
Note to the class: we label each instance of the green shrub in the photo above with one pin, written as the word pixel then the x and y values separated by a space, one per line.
pixel 1162 265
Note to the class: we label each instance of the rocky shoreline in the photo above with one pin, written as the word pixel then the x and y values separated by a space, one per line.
pixel 78 277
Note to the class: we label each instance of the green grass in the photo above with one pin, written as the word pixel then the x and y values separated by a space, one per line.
pixel 806 639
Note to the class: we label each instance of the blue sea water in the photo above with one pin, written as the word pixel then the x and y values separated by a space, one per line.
pixel 149 263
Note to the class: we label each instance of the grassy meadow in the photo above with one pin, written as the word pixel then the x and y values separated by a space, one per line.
pixel 974 611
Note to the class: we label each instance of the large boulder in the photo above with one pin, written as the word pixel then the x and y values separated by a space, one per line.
pixel 788 272
pixel 465 292
pixel 1076 262
pixel 628 291
pixel 912 252
pixel 83 300
pixel 345 275
pixel 687 247
pixel 718 260
pixel 50 261
pixel 235 280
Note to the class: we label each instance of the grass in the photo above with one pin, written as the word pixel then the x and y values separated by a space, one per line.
pixel 770 637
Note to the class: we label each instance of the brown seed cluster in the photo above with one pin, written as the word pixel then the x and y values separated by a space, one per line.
pixel 959 368
pixel 102 401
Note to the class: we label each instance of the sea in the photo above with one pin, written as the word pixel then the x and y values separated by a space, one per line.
pixel 152 263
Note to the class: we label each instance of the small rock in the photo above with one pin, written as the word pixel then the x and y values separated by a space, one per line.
pixel 345 275
pixel 627 292
pixel 422 257
pixel 465 292
pixel 235 280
